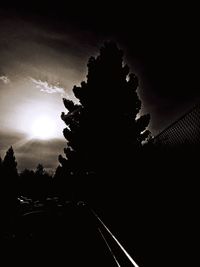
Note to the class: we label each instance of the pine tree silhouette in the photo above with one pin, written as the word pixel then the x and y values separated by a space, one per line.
pixel 102 133
pixel 9 185
pixel 9 162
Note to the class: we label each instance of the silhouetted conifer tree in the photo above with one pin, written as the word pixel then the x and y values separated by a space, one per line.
pixel 9 162
pixel 10 174
pixel 103 134
pixel 9 184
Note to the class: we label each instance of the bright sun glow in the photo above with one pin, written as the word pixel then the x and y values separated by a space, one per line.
pixel 43 128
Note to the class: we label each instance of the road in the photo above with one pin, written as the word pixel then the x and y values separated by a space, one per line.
pixel 72 235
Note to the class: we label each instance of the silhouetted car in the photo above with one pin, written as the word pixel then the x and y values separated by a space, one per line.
pixel 81 203
pixel 24 205
pixel 26 199
pixel 38 204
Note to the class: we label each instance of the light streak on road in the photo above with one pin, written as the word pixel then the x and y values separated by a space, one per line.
pixel 122 248
pixel 109 247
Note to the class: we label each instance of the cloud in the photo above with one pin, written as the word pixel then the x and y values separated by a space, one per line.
pixel 35 151
pixel 8 139
pixel 48 88
pixel 4 79
pixel 29 153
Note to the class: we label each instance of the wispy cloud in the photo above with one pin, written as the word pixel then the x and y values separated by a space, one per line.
pixel 48 88
pixel 4 79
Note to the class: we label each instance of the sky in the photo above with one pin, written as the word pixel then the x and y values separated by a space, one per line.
pixel 44 49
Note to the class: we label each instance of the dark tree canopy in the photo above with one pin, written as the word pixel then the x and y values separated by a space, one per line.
pixel 40 170
pixel 8 184
pixel 9 162
pixel 102 131
pixel 9 179
pixel 1 163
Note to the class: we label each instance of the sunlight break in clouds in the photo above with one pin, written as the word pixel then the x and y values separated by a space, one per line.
pixel 4 79
pixel 48 88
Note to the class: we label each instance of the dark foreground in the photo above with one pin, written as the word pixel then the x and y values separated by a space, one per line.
pixel 163 230
pixel 60 234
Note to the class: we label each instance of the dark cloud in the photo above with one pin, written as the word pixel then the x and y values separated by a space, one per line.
pixel 8 139
pixel 44 152
pixel 29 153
